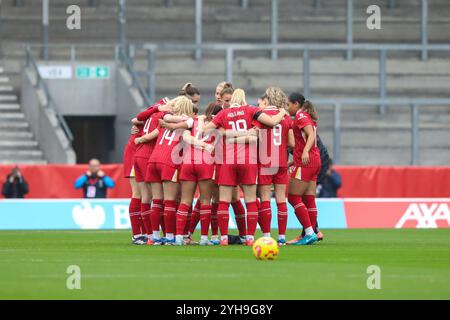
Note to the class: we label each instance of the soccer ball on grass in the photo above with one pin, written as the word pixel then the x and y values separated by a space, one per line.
pixel 265 248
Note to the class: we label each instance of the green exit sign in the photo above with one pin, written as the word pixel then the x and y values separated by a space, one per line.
pixel 92 72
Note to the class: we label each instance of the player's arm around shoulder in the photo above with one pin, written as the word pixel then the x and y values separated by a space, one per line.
pixel 270 121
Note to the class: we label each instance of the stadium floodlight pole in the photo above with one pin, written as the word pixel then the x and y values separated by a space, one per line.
pixel 382 80
pixel 274 28
pixel 244 4
pixel 151 61
pixel 198 28
pixel 45 19
pixel 122 20
pixel 306 73
pixel 414 134
pixel 424 29
pixel 229 65
pixel 349 29
pixel 392 4
pixel 337 134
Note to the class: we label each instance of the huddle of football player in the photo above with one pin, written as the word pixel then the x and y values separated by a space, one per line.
pixel 185 168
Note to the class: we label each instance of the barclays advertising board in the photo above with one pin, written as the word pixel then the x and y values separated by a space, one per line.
pixel 76 214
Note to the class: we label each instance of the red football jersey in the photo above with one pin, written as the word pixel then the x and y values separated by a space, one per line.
pixel 144 115
pixel 273 142
pixel 134 136
pixel 301 120
pixel 144 150
pixel 198 156
pixel 168 149
pixel 238 119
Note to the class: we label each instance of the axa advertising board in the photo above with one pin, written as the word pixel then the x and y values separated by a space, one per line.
pixel 76 214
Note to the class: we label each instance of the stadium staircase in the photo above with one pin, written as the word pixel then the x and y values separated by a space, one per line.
pixel 368 137
pixel 17 143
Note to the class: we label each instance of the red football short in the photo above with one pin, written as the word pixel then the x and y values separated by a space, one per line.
pixel 196 172
pixel 128 161
pixel 268 176
pixel 217 173
pixel 159 172
pixel 304 174
pixel 140 168
pixel 236 174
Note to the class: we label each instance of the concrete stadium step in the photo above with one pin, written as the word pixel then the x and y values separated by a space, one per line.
pixel 15 135
pixel 12 116
pixel 17 155
pixel 8 98
pixel 4 161
pixel 6 107
pixel 14 126
pixel 6 89
pixel 18 145
pixel 4 79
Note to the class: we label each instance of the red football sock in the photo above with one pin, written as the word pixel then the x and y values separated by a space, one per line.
pixel 181 220
pixel 188 221
pixel 239 212
pixel 252 217
pixel 205 218
pixel 223 217
pixel 300 210
pixel 214 221
pixel 265 216
pixel 282 218
pixel 195 217
pixel 157 214
pixel 170 208
pixel 135 215
pixel 310 203
pixel 145 215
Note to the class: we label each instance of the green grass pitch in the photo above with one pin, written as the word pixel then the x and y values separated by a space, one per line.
pixel 414 264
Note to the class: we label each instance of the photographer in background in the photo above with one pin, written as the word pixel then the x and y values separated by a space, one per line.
pixel 331 183
pixel 94 182
pixel 15 185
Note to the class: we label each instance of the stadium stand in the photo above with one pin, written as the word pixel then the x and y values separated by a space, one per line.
pixel 17 143
pixel 331 75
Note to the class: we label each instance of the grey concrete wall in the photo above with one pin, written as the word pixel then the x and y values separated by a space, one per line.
pixel 113 96
pixel 43 122
pixel 128 102
pixel 84 97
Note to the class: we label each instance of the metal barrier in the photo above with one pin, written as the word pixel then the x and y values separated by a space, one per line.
pixel 317 4
pixel 306 48
pixel 149 94
pixel 40 83
pixel 415 115
pixel 128 64
pixel 244 4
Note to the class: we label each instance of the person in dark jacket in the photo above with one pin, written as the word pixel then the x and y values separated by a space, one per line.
pixel 15 185
pixel 94 182
pixel 331 183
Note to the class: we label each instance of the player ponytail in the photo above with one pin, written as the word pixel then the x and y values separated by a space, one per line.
pixel 189 90
pixel 238 98
pixel 227 90
pixel 276 97
pixel 211 110
pixel 310 109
